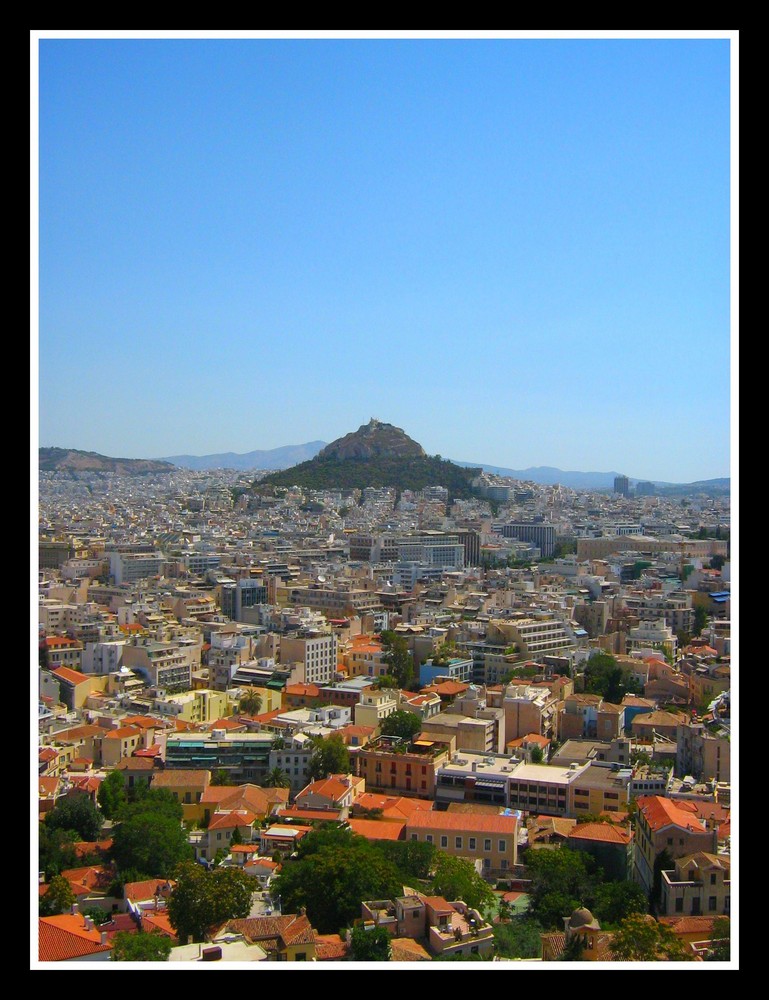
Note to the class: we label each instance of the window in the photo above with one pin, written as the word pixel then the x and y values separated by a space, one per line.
pixel 680 904
pixel 414 836
pixel 458 843
pixel 502 846
pixel 429 838
pixel 712 903
pixel 670 841
pixel 487 845
pixel 471 843
pixel 712 879
pixel 444 841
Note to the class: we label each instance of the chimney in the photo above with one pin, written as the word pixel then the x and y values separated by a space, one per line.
pixel 104 937
pixel 74 909
pixel 88 923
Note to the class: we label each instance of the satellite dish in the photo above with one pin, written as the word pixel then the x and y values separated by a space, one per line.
pixel 321 579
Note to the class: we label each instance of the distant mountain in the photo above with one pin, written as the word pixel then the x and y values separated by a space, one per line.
pixel 275 458
pixel 71 460
pixel 377 454
pixel 547 475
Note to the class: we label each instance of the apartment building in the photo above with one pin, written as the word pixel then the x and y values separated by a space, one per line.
pixel 316 650
pixel 164 664
pixel 698 885
pixel 702 754
pixel 391 765
pixel 492 839
pixel 666 825
pixel 244 756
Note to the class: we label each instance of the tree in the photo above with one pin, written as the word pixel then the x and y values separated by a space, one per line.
pixel 140 946
pixel 456 878
pixel 277 778
pixel 518 937
pixel 641 939
pixel 150 836
pixel 203 899
pixel 220 776
pixel 373 945
pixel 561 881
pixel 332 881
pixel 614 901
pixel 397 657
pixel 700 619
pixel 403 724
pixel 76 812
pixel 604 676
pixel 58 897
pixel 330 756
pixel 56 850
pixel 720 941
pixel 251 702
pixel 112 795
pixel 414 859
pixel 537 755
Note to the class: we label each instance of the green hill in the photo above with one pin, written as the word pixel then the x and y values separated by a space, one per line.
pixel 379 455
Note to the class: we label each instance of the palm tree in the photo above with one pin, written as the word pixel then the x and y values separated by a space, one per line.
pixel 277 778
pixel 251 702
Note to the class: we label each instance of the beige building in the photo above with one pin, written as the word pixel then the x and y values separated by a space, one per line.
pixel 528 709
pixel 491 839
pixel 701 754
pixel 374 707
pixel 472 735
pixel 187 787
pixel 664 824
pixel 699 885
pixel 120 743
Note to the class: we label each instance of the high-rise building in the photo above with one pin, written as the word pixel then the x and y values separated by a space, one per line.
pixel 622 485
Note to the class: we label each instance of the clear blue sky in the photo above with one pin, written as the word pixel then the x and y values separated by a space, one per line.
pixel 517 250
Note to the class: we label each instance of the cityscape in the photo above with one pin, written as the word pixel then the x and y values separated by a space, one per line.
pixel 384 517
pixel 390 726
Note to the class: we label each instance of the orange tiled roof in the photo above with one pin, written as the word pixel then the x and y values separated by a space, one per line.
pixel 294 812
pixel 661 812
pixel 72 676
pixel 409 950
pixel 690 925
pixel 292 928
pixel 67 937
pixel 375 829
pixel 123 733
pixel 330 948
pixel 147 889
pixel 480 822
pixel 47 786
pixel 607 833
pixel 158 921
pixel 231 820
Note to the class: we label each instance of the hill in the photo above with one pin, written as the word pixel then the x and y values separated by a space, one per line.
pixel 377 454
pixel 71 460
pixel 273 459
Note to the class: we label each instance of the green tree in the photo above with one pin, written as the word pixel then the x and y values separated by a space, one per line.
pixel 663 862
pixel 518 937
pixel 414 859
pixel 140 946
pixel 56 850
pixel 561 881
pixel 614 901
pixel 373 945
pixel 537 755
pixel 403 724
pixel 330 756
pixel 150 836
pixel 112 795
pixel 331 882
pixel 220 776
pixel 700 619
pixel 397 657
pixel 456 878
pixel 58 897
pixel 640 938
pixel 720 948
pixel 204 899
pixel 76 812
pixel 605 676
pixel 251 702
pixel 277 778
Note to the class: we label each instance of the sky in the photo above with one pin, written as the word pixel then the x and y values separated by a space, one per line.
pixel 515 249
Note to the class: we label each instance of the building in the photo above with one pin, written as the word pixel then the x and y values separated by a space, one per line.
pixel 390 765
pixel 244 756
pixel 622 486
pixel 454 668
pixel 699 885
pixel 702 754
pixel 609 845
pixel 542 535
pixel 671 826
pixel 479 836
pixel 317 651
pixel 164 664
